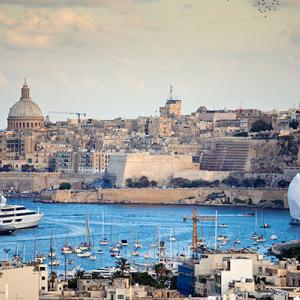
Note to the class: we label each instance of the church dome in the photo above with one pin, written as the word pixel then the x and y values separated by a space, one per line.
pixel 25 113
pixel 25 107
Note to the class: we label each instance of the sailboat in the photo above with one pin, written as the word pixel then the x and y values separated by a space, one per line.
pixel 87 245
pixel 138 243
pixel 104 240
pixel 66 248
pixel 294 200
pixel 255 235
pixel 172 238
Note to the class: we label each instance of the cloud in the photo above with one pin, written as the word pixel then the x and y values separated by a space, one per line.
pixel 293 32
pixel 47 28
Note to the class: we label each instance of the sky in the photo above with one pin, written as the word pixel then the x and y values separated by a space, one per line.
pixel 117 58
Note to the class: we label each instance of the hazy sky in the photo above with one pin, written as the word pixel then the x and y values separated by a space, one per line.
pixel 112 58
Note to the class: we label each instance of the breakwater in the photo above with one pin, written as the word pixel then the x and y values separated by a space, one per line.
pixel 272 198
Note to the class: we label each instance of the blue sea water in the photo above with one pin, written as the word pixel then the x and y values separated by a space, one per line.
pixel 132 222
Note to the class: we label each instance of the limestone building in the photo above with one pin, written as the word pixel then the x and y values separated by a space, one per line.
pixel 172 109
pixel 25 114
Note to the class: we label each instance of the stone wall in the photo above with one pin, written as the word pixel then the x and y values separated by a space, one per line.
pixel 160 168
pixel 35 182
pixel 208 196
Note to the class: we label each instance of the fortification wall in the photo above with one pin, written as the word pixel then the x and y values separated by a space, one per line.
pixel 208 196
pixel 35 182
pixel 156 167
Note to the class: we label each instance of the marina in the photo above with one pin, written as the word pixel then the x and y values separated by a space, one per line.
pixel 89 241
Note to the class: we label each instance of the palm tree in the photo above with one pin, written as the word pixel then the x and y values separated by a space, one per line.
pixel 122 266
pixel 161 274
pixel 53 277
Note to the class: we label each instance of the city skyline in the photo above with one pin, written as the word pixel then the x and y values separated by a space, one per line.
pixel 111 60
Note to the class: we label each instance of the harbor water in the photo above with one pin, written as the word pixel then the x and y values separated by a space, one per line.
pixel 147 223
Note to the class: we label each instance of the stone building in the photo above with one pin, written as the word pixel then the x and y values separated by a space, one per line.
pixel 25 114
pixel 172 109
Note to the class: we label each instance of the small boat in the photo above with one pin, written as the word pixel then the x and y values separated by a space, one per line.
pixel 135 253
pixel 83 254
pixel 146 255
pixel 153 245
pixel 67 249
pixel 118 256
pixel 273 237
pixel 53 263
pixel 222 238
pixel 100 251
pixel 114 249
pixel 223 225
pixel 6 230
pixel 138 244
pixel 70 261
pixel 237 241
pixel 123 243
pixel 254 236
pixel 113 254
pixel 265 225
pixel 77 250
pixel 93 257
pixel 260 239
pixel 104 242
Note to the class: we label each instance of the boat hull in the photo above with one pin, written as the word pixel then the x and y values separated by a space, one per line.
pixel 295 222
pixel 28 222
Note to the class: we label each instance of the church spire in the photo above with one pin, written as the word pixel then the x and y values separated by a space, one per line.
pixel 25 91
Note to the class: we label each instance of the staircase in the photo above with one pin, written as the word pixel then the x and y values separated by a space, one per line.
pixel 226 155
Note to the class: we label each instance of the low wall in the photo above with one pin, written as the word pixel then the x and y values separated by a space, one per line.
pixel 209 196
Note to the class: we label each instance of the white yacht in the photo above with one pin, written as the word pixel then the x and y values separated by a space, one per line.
pixel 17 216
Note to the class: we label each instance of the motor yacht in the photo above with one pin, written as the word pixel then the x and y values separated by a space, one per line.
pixel 18 216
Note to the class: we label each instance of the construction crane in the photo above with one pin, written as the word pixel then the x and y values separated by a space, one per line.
pixel 78 114
pixel 207 218
pixel 195 220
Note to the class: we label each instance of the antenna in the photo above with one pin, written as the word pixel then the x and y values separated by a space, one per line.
pixel 171 92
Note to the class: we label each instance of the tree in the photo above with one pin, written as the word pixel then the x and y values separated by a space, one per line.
pixel 231 181
pixel 144 182
pixel 129 182
pixel 143 279
pixel 259 182
pixel 122 266
pixel 53 277
pixel 283 183
pixel 261 125
pixel 65 186
pixel 161 275
pixel 294 124
pixel 153 183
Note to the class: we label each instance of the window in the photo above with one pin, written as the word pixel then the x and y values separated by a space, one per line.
pixel 43 278
pixel 120 296
pixel 7 221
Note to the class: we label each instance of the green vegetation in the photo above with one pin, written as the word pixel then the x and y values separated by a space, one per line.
pixel 122 267
pixel 260 125
pixel 283 183
pixel 65 186
pixel 143 279
pixel 142 182
pixel 180 182
pixel 238 200
pixel 231 181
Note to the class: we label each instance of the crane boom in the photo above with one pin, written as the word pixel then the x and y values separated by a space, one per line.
pixel 78 114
